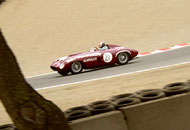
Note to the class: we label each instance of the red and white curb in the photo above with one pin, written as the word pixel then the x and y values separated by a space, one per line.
pixel 164 49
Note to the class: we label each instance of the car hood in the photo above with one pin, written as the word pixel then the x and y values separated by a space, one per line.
pixel 61 59
pixel 76 54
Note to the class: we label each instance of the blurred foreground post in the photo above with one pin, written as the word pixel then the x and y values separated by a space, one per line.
pixel 28 109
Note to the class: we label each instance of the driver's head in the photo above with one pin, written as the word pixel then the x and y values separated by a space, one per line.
pixel 101 44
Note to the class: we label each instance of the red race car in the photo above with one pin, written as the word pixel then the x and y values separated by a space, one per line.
pixel 96 57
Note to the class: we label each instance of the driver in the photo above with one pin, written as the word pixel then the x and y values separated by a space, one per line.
pixel 102 46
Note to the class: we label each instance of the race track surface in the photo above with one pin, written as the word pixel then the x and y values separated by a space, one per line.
pixel 146 62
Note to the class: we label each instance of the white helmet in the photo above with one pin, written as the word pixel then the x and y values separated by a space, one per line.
pixel 101 44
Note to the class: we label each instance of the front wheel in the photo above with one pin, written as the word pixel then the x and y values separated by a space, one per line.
pixel 76 67
pixel 123 58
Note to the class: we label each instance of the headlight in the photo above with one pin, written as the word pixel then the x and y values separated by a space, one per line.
pixel 62 66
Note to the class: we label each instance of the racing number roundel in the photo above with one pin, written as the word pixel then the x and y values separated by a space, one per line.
pixel 107 57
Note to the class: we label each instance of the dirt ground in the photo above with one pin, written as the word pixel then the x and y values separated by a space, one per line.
pixel 81 94
pixel 43 30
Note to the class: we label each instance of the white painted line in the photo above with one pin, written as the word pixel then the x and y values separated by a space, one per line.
pixel 41 74
pixel 113 76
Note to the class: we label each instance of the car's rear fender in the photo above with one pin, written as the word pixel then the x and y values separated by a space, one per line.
pixel 134 53
pixel 123 51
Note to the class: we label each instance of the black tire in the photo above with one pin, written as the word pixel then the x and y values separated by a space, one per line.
pixel 76 108
pixel 63 73
pixel 101 107
pixel 99 102
pixel 120 96
pixel 176 88
pixel 127 101
pixel 77 113
pixel 76 67
pixel 147 90
pixel 151 95
pixel 123 58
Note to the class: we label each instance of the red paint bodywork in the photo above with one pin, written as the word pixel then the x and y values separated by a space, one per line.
pixel 92 59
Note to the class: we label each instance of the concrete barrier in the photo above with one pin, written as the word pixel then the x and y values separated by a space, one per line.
pixel 169 113
pixel 107 121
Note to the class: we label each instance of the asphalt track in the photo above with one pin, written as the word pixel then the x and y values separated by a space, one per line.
pixel 167 58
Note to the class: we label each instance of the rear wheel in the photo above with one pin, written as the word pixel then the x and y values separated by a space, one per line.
pixel 123 58
pixel 76 67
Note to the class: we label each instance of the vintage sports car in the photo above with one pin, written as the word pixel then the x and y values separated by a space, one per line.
pixel 75 63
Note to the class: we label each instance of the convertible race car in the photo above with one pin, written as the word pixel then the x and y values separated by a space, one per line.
pixel 94 58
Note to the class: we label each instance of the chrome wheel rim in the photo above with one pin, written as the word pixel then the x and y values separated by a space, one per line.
pixel 76 67
pixel 123 58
